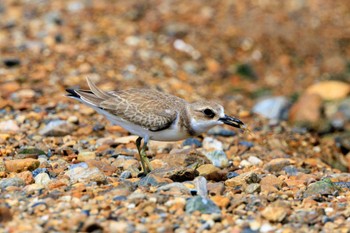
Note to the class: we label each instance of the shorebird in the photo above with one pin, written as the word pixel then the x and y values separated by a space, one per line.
pixel 154 115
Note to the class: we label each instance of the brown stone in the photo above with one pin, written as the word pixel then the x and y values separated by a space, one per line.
pixel 221 201
pixel 106 168
pixel 270 183
pixel 307 110
pixel 19 165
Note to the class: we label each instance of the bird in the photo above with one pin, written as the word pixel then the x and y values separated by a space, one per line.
pixel 154 115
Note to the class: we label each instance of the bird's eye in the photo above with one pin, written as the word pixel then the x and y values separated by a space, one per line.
pixel 209 113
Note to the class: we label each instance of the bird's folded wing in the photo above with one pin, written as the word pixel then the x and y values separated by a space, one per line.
pixel 146 112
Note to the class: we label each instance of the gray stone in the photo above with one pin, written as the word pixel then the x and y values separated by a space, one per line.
pixel 203 205
pixel 273 108
pixel 15 181
pixel 218 158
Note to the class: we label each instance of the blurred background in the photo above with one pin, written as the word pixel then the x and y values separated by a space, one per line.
pixel 287 61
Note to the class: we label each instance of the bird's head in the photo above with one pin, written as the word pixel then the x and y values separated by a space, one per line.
pixel 205 115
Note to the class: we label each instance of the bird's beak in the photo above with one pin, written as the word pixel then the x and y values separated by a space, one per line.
pixel 232 121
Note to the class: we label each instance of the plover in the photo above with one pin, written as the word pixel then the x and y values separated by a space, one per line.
pixel 154 115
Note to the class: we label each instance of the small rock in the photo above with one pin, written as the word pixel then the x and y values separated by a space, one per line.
pixel 221 131
pixel 210 144
pixel 243 179
pixel 26 176
pixel 344 108
pixel 42 179
pixel 246 144
pixel 245 163
pixel 203 205
pixel 183 158
pixel 218 158
pixel 106 168
pixel 9 126
pixel 208 170
pixel 38 171
pixel 254 160
pixel 176 29
pixel 192 142
pixel 29 152
pixel 5 214
pixel 19 165
pixel 80 174
pixel 216 188
pixel 84 156
pixel 153 180
pixel 73 119
pixel 231 175
pixel 57 128
pixel 306 111
pixel 277 165
pixel 323 187
pixel 270 183
pixel 82 165
pixel 177 174
pixel 330 90
pixel 125 175
pixel 158 164
pixel 273 108
pixel 221 201
pixel 291 170
pixel 15 181
pixel 174 189
pixel 274 212
pixel 252 188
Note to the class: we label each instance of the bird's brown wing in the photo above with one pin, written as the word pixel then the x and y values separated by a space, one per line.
pixel 142 107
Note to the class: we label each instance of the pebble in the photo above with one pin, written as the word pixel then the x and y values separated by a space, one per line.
pixel 323 187
pixel 84 156
pixel 218 158
pixel 19 165
pixel 29 152
pixel 270 183
pixel 125 175
pixel 153 180
pixel 221 201
pixel 252 188
pixel 208 170
pixel 42 179
pixel 192 142
pixel 38 171
pixel 174 189
pixel 15 181
pixel 9 126
pixel 85 175
pixel 246 144
pixel 306 111
pixel 254 160
pixel 273 108
pixel 82 165
pixel 243 179
pixel 274 213
pixel 221 131
pixel 106 168
pixel 276 165
pixel 291 170
pixel 203 205
pixel 210 143
pixel 330 90
pixel 57 128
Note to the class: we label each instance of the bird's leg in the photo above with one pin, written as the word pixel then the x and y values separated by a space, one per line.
pixel 144 155
pixel 138 145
